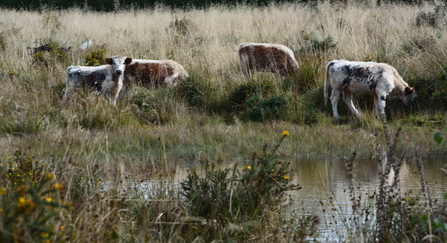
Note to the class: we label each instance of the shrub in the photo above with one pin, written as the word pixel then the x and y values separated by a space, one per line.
pixel 234 196
pixel 189 90
pixel 183 26
pixel 246 90
pixel 316 46
pixel 29 204
pixel 260 110
pixel 95 57
pixel 432 19
pixel 49 53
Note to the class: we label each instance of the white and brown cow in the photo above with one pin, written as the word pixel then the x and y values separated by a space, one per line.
pixel 107 79
pixel 155 73
pixel 263 57
pixel 379 79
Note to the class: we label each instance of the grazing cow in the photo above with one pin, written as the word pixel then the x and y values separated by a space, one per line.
pixel 272 58
pixel 155 72
pixel 107 79
pixel 379 79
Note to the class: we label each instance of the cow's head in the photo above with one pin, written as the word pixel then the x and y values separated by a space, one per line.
pixel 409 95
pixel 118 63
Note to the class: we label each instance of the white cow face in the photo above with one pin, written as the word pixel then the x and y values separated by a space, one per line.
pixel 118 63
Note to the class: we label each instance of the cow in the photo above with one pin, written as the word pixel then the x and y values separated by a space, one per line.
pixel 106 79
pixel 154 73
pixel 262 57
pixel 379 79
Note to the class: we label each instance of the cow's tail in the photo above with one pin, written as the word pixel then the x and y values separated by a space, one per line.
pixel 329 65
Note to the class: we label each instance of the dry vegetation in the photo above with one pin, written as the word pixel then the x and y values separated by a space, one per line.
pixel 87 140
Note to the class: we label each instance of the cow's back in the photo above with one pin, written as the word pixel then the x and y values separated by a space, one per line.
pixel 84 75
pixel 155 72
pixel 267 57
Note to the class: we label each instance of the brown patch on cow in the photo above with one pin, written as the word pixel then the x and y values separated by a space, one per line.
pixel 265 58
pixel 150 73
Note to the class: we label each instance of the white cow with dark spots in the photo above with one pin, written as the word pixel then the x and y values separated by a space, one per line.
pixel 107 79
pixel 264 57
pixel 379 79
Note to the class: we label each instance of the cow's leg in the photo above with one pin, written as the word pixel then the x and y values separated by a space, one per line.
pixel 245 66
pixel 67 93
pixel 335 96
pixel 68 90
pixel 347 98
pixel 379 104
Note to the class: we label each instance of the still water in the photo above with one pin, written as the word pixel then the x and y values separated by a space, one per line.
pixel 326 187
pixel 325 191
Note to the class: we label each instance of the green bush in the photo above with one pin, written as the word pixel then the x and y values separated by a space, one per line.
pixel 49 53
pixel 30 206
pixel 234 196
pixel 260 110
pixel 316 46
pixel 95 57
pixel 189 90
pixel 246 90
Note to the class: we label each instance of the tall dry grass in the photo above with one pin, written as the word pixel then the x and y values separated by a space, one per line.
pixel 87 143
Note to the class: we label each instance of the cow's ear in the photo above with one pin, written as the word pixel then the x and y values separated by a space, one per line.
pixel 128 60
pixel 109 61
pixel 408 90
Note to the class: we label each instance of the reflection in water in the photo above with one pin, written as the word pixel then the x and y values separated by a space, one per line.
pixel 325 187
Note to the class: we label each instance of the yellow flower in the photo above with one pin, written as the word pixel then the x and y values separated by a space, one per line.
pixel 9 157
pixel 61 227
pixel 44 234
pixel 58 186
pixel 3 191
pixel 50 176
pixel 285 133
pixel 286 177
pixel 22 200
pixel 48 199
pixel 249 167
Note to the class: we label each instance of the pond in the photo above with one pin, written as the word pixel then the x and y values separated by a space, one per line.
pixel 326 187
pixel 325 191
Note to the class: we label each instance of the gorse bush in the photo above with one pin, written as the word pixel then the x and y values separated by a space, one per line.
pixel 50 53
pixel 95 57
pixel 234 196
pixel 30 205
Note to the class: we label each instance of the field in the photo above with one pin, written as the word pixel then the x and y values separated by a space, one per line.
pixel 213 117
